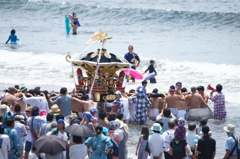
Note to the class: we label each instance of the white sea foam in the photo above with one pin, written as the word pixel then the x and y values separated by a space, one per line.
pixel 27 68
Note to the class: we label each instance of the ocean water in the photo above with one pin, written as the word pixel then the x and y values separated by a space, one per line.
pixel 192 41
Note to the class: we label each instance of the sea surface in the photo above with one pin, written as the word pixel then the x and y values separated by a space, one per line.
pixel 193 41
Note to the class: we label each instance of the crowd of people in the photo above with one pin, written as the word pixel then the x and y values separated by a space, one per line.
pixel 27 115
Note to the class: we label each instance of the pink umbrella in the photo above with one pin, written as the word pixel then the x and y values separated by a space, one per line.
pixel 134 73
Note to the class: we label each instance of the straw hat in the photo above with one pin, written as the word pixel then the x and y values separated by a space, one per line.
pixel 119 122
pixel 4 109
pixel 54 109
pixel 230 128
pixel 73 116
pixel 29 109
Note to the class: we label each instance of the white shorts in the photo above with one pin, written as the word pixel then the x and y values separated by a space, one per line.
pixel 174 111
pixel 153 113
pixel 181 113
pixel 132 110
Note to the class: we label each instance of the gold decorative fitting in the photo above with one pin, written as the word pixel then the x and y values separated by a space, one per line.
pixel 129 77
pixel 98 37
pixel 68 57
pixel 71 75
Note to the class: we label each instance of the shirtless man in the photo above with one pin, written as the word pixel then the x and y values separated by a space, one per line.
pixel 173 101
pixel 204 96
pixel 10 97
pixel 194 100
pixel 182 107
pixel 84 102
pixel 153 111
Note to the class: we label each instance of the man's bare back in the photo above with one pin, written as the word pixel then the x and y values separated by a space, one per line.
pixel 194 101
pixel 173 100
pixel 11 99
pixel 86 105
pixel 205 98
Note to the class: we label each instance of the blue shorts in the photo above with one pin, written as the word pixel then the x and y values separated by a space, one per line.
pixel 28 146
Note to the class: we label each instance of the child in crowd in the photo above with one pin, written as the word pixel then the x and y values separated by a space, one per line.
pixel 199 129
pixel 151 69
pixel 33 153
pixel 142 142
pixel 79 150
pixel 12 37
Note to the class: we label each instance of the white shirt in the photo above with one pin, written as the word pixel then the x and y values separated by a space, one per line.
pixel 39 102
pixel 29 134
pixel 168 136
pixel 78 151
pixel 5 146
pixel 190 137
pixel 32 156
pixel 156 144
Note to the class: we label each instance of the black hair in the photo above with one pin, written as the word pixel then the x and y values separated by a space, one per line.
pixel 50 116
pixel 37 91
pixel 191 126
pixel 63 90
pixel 172 87
pixel 151 61
pixel 13 31
pixel 200 88
pixel 219 87
pixel 16 86
pixel 171 124
pixel 35 111
pixel 158 132
pixel 32 91
pixel 205 129
pixel 84 97
pixel 17 108
pixel 102 114
pixel 82 91
pixel 144 82
pixel 73 14
pixel 155 90
pixel 77 139
pixel 145 132
pixel 132 91
pixel 33 148
pixel 184 89
pixel 167 112
pixel 9 122
pixel 204 122
pixel 120 116
pixel 178 83
pixel 111 116
pixel 60 116
pixel 99 129
pixel 160 122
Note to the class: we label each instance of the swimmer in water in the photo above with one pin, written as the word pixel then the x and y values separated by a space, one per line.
pixel 74 27
pixel 12 37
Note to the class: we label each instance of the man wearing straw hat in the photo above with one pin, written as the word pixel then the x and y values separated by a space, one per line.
pixel 231 145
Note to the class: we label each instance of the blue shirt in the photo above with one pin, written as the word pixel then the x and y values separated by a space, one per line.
pixel 98 145
pixel 14 142
pixel 230 143
pixel 129 58
pixel 20 128
pixel 65 104
pixel 13 38
pixel 35 123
